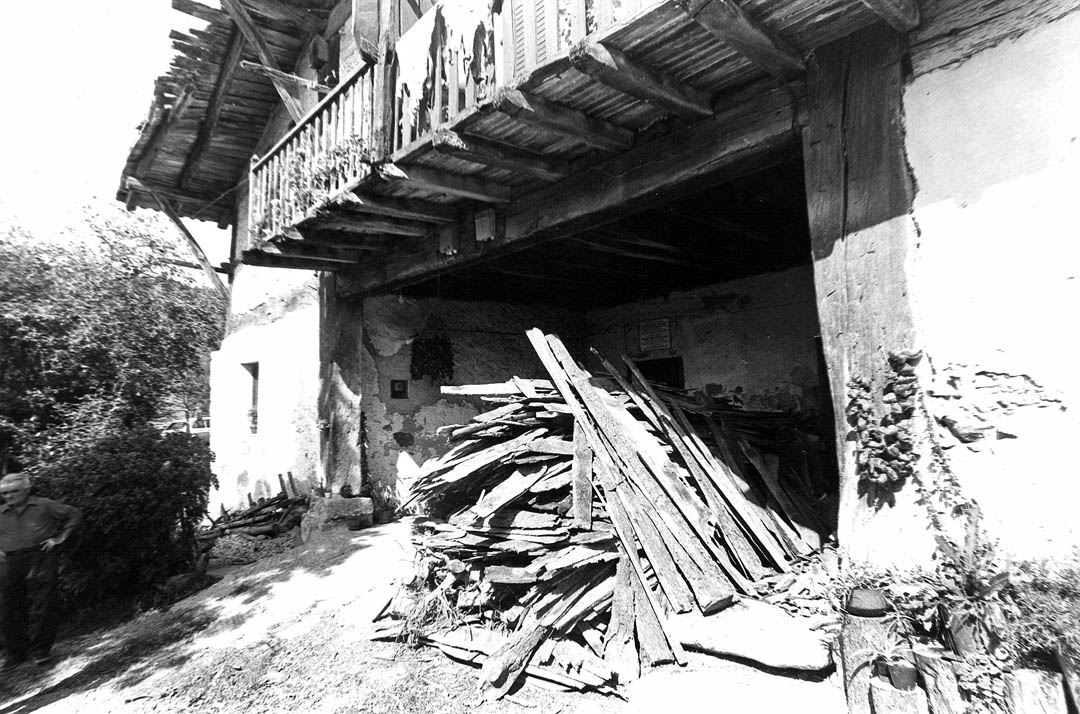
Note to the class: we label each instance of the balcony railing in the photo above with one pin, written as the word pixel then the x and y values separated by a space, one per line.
pixel 330 149
pixel 456 56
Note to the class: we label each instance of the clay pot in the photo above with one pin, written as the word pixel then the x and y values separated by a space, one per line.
pixel 357 523
pixel 385 515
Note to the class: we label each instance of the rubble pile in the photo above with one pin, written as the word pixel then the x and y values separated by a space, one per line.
pixel 584 529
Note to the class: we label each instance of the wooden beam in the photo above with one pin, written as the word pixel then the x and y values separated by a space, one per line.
pixel 614 69
pixel 902 15
pixel 280 13
pixel 724 145
pixel 194 266
pixel 208 125
pixel 252 34
pixel 145 186
pixel 565 122
pixel 270 260
pixel 196 249
pixel 366 225
pixel 727 21
pixel 303 249
pixel 456 185
pixel 406 208
pixel 168 122
pixel 488 153
pixel 290 79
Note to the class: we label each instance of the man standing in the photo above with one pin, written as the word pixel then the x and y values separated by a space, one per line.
pixel 30 530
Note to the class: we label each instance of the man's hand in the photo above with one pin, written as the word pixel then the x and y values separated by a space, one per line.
pixel 50 543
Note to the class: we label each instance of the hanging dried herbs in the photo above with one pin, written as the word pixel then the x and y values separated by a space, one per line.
pixel 432 356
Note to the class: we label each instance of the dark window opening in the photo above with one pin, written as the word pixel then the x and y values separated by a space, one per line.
pixel 665 370
pixel 399 389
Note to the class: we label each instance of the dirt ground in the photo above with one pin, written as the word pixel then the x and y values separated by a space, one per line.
pixel 291 633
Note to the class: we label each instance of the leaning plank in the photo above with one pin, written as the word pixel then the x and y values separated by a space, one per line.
pixel 656 645
pixel 581 480
pixel 620 647
pixel 511 387
pixel 1068 657
pixel 1032 691
pixel 768 466
pixel 503 668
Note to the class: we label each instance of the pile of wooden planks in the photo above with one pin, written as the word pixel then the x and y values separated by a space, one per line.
pixel 587 517
pixel 265 517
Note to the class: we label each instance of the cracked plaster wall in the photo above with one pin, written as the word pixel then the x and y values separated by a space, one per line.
pixel 754 339
pixel 993 139
pixel 489 345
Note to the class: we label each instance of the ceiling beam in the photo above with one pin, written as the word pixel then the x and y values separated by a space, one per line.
pixel 488 153
pixel 303 249
pixel 455 185
pixel 405 208
pixel 731 143
pixel 352 241
pixel 728 22
pixel 233 54
pixel 171 117
pixel 901 15
pixel 261 259
pixel 614 69
pixel 568 123
pixel 290 79
pixel 252 34
pixel 367 225
pixel 284 14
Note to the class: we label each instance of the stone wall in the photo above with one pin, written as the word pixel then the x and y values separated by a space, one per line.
pixel 993 141
pixel 488 344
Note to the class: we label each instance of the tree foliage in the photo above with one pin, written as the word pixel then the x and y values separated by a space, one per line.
pixel 97 332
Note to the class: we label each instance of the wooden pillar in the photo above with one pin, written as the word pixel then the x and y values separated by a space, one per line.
pixel 859 198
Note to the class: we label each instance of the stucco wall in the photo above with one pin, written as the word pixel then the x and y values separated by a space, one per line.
pixel 993 141
pixel 278 330
pixel 489 345
pixel 754 337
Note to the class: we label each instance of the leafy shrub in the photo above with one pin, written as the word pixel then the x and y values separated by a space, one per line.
pixel 1044 607
pixel 142 496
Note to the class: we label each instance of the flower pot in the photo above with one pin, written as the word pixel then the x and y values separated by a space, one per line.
pixel 356 523
pixel 903 675
pixel 965 631
pixel 867 602
pixel 385 515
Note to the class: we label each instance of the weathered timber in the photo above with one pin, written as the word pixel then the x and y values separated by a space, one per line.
pixel 859 197
pixel 614 69
pixel 166 125
pixel 292 262
pixel 289 79
pixel 620 646
pixel 350 223
pixel 252 34
pixel 939 680
pixel 727 20
pixel 281 13
pixel 488 153
pixel 569 123
pixel 720 146
pixel 193 244
pixel 887 699
pixel 804 521
pixel 300 249
pixel 208 126
pixel 503 667
pixel 1068 658
pixel 1034 691
pixel 455 185
pixel 407 209
pixel 902 15
pixel 581 480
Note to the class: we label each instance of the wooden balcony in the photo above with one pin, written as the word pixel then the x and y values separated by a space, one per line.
pixel 501 128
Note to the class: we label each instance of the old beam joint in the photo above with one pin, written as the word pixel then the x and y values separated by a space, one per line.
pixel 488 153
pixel 727 21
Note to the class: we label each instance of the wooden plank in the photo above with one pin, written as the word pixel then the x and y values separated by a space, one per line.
pixel 456 185
pixel 290 79
pixel 551 445
pixel 939 680
pixel 620 646
pixel 489 153
pixel 902 15
pixel 207 127
pixel 162 131
pixel 726 20
pixel 568 123
pixel 270 260
pixel 614 69
pixel 196 249
pixel 280 13
pixel 251 33
pixel 364 224
pixel 581 480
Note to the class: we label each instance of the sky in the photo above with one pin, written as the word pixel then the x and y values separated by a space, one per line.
pixel 78 79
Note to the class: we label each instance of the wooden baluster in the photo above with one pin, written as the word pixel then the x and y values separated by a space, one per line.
pixel 453 80
pixel 435 120
pixel 578 28
pixel 286 185
pixel 603 11
pixel 253 197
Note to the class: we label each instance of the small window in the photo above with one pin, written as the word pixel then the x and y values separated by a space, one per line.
pixel 399 389
pixel 253 412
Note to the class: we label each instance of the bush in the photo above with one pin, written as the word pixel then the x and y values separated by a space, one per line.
pixel 142 496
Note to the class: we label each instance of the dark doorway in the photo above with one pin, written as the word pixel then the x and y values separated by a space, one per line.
pixel 664 370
